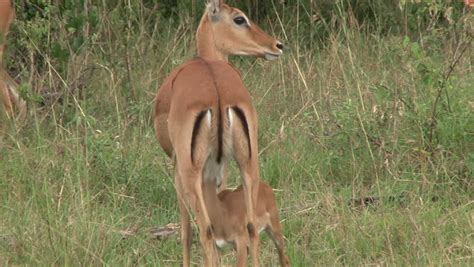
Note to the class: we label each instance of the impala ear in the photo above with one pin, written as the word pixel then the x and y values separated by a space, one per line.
pixel 214 6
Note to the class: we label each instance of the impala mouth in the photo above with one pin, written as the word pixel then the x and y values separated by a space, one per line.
pixel 271 56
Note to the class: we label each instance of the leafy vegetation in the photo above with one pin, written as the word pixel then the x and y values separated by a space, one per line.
pixel 365 131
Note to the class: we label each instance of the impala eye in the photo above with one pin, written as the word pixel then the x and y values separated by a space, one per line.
pixel 240 20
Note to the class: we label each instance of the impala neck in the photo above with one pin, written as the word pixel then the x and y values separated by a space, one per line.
pixel 206 47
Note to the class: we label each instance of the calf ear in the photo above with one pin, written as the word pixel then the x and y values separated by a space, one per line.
pixel 214 6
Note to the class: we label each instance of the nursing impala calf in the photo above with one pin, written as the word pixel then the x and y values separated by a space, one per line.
pixel 228 217
pixel 204 117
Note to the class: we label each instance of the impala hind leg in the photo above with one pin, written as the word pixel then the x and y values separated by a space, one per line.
pixel 244 137
pixel 192 188
pixel 250 182
pixel 186 230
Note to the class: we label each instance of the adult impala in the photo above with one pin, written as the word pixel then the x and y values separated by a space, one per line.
pixel 8 95
pixel 204 117
pixel 223 31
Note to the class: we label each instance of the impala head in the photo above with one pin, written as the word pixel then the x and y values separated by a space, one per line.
pixel 225 31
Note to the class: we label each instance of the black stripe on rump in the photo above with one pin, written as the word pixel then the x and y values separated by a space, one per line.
pixel 220 133
pixel 196 129
pixel 240 113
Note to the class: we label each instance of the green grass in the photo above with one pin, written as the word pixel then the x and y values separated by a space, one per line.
pixel 343 119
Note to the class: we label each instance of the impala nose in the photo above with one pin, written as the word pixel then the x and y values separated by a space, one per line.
pixel 279 46
pixel 275 51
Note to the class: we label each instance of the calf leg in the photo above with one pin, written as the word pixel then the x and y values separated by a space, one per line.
pixel 275 232
pixel 241 246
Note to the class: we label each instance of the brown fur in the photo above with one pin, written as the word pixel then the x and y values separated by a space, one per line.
pixel 7 14
pixel 202 146
pixel 9 97
pixel 201 86
pixel 8 94
pixel 253 41
pixel 228 218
